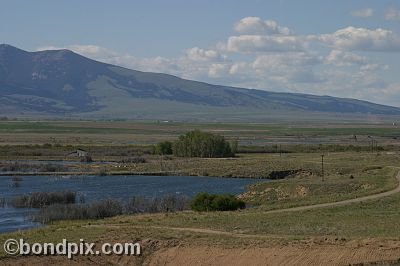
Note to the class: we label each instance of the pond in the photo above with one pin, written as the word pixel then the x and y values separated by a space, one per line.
pixel 94 188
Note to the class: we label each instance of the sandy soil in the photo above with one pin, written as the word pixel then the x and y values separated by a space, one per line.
pixel 323 255
pixel 283 255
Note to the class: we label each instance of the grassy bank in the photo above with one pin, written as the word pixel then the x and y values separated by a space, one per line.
pixel 379 220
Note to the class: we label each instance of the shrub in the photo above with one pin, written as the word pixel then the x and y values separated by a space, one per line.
pixel 109 208
pixel 163 148
pixel 104 208
pixel 159 204
pixel 214 202
pixel 42 199
pixel 202 144
pixel 137 159
pixel 227 203
pixel 97 210
pixel 86 159
pixel 26 167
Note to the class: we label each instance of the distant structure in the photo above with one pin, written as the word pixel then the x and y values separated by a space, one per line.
pixel 83 155
pixel 79 153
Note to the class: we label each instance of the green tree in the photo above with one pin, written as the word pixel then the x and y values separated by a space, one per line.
pixel 202 144
pixel 163 148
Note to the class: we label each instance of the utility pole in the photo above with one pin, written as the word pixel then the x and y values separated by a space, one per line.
pixel 280 150
pixel 322 167
pixel 374 144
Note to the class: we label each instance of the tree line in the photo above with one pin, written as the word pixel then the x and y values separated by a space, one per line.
pixel 198 144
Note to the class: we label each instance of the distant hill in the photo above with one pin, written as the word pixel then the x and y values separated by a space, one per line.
pixel 61 83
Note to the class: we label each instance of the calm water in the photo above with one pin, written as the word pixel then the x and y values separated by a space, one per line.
pixel 117 187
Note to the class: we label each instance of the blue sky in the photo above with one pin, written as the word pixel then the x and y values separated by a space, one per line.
pixel 341 48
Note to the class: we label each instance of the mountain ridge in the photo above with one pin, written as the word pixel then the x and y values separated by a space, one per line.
pixel 61 82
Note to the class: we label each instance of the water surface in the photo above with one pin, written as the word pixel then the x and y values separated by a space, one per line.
pixel 94 188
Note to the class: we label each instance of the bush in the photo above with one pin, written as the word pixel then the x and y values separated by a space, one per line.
pixel 86 159
pixel 202 144
pixel 42 199
pixel 227 203
pixel 104 208
pixel 28 167
pixel 137 159
pixel 163 148
pixel 109 208
pixel 170 203
pixel 215 202
pixel 98 210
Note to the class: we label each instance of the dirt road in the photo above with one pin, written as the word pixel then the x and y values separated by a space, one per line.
pixel 343 202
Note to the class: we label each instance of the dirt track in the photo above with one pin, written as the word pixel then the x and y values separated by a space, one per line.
pixel 287 255
pixel 301 208
pixel 344 202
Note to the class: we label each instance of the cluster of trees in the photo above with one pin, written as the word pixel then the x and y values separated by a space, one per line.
pixel 198 144
pixel 215 202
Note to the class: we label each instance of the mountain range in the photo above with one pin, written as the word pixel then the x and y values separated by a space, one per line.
pixel 61 83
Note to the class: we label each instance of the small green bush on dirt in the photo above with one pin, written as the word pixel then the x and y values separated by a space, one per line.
pixel 214 202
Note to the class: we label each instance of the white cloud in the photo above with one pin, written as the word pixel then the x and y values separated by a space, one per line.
pixel 286 59
pixel 392 14
pixel 363 13
pixel 218 70
pixel 362 39
pixel 261 43
pixel 374 67
pixel 290 67
pixel 264 55
pixel 343 58
pixel 198 54
pixel 255 25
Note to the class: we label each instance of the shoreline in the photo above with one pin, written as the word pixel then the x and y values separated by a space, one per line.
pixel 163 173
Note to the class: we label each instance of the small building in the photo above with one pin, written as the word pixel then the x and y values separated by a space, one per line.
pixel 79 153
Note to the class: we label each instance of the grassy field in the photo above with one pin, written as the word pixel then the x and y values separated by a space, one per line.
pixel 371 174
pixel 347 174
pixel 126 132
pixel 377 219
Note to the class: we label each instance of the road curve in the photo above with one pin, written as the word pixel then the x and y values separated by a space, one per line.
pixel 343 202
pixel 301 208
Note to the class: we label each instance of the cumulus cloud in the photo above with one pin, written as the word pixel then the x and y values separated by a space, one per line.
pixel 392 14
pixel 264 55
pixel 362 39
pixel 343 58
pixel 363 13
pixel 198 54
pixel 255 25
pixel 217 70
pixel 286 59
pixel 289 67
pixel 262 43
